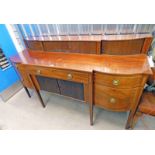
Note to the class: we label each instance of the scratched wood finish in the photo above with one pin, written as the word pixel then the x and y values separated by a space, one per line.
pixel 120 64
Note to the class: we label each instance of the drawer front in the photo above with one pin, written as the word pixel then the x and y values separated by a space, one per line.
pixel 68 75
pixel 119 81
pixel 34 45
pixel 114 99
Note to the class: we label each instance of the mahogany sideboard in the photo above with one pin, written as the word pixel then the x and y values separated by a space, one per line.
pixel 93 44
pixel 110 82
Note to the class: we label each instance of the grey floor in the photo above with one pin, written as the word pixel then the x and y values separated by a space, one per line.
pixel 21 112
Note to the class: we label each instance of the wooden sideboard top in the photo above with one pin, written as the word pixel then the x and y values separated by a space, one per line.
pixel 90 37
pixel 129 64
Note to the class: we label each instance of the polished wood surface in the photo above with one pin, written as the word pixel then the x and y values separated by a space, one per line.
pixel 93 44
pixel 112 98
pixel 131 64
pixel 117 92
pixel 113 82
pixel 119 81
pixel 122 47
pixel 90 47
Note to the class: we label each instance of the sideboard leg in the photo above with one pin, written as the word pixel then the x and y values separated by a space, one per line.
pixel 27 91
pixel 91 98
pixel 40 98
pixel 135 118
pixel 37 92
pixel 130 120
pixel 91 113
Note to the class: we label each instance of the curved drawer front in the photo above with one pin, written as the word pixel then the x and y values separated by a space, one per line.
pixel 119 81
pixel 114 99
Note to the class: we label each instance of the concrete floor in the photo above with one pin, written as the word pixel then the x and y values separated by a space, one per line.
pixel 21 112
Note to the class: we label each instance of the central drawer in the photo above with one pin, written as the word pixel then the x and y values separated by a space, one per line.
pixel 69 75
pixel 114 99
pixel 119 81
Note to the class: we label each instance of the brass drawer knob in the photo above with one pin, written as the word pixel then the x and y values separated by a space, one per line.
pixel 38 71
pixel 115 82
pixel 69 76
pixel 112 100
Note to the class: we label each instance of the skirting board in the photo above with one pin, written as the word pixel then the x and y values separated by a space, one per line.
pixel 9 92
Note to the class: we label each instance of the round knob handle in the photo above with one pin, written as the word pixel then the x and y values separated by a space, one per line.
pixel 115 82
pixel 69 76
pixel 112 100
pixel 38 71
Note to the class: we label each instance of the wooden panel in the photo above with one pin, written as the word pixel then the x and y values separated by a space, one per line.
pixel 122 47
pixel 71 89
pixel 98 47
pixel 24 77
pixel 146 45
pixel 73 47
pixel 54 46
pixel 64 46
pixel 119 81
pixel 48 84
pixel 88 47
pixel 112 98
pixel 34 45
